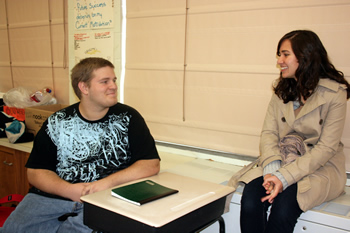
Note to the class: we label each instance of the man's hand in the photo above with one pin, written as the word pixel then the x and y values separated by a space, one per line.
pixel 95 186
pixel 273 187
pixel 139 169
pixel 76 191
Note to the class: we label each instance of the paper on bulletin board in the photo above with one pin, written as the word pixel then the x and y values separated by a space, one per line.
pixel 93 44
pixel 93 14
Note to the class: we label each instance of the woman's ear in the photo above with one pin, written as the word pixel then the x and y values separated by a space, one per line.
pixel 83 87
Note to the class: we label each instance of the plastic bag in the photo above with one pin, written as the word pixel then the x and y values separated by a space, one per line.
pixel 20 97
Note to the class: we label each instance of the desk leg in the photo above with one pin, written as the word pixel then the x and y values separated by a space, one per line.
pixel 221 224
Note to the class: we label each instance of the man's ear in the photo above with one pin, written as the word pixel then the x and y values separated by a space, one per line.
pixel 83 87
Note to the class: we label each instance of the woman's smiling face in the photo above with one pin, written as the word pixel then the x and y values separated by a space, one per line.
pixel 287 60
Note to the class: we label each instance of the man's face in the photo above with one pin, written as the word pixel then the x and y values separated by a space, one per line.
pixel 102 91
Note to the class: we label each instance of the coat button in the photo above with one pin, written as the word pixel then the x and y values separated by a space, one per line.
pixel 321 122
pixel 283 119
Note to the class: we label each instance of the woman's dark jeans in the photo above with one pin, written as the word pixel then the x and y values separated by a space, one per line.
pixel 284 211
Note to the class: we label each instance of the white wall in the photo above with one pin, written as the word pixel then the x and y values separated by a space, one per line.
pixel 252 29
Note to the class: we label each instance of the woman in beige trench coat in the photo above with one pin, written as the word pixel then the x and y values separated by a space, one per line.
pixel 302 163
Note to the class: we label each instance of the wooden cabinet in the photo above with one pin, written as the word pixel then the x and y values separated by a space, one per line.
pixel 13 174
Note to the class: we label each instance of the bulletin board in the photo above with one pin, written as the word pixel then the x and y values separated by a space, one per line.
pixel 90 17
pixel 94 31
pixel 93 14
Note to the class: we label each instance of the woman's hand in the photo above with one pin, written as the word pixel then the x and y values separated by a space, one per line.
pixel 269 186
pixel 273 187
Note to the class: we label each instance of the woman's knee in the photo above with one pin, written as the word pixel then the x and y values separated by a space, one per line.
pixel 251 197
pixel 285 206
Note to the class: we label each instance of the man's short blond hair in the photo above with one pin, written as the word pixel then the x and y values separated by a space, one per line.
pixel 83 71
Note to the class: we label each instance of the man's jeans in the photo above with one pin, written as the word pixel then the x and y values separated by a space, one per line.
pixel 39 214
pixel 284 210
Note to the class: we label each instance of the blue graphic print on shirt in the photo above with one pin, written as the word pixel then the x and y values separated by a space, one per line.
pixel 86 149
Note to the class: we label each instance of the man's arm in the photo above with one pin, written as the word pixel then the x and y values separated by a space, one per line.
pixel 49 182
pixel 139 169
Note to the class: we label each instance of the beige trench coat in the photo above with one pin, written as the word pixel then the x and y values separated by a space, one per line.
pixel 320 172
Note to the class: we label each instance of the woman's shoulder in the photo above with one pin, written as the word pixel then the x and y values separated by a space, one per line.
pixel 332 90
pixel 331 85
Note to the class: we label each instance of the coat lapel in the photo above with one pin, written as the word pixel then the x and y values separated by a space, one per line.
pixel 315 101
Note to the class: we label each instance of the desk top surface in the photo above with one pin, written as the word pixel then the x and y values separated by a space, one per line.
pixel 193 194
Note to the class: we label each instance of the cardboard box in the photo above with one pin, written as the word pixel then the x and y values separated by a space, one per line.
pixel 35 116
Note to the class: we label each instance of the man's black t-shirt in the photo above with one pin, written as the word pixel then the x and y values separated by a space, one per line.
pixel 79 150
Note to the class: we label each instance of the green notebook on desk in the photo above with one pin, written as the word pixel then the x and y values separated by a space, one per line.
pixel 142 192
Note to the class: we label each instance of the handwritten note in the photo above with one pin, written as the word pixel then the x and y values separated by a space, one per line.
pixel 93 14
pixel 93 44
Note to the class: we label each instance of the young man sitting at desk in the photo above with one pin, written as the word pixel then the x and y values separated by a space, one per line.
pixel 87 147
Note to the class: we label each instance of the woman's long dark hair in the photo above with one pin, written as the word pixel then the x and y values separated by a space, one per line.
pixel 314 64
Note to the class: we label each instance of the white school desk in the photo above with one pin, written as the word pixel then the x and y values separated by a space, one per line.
pixel 197 204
